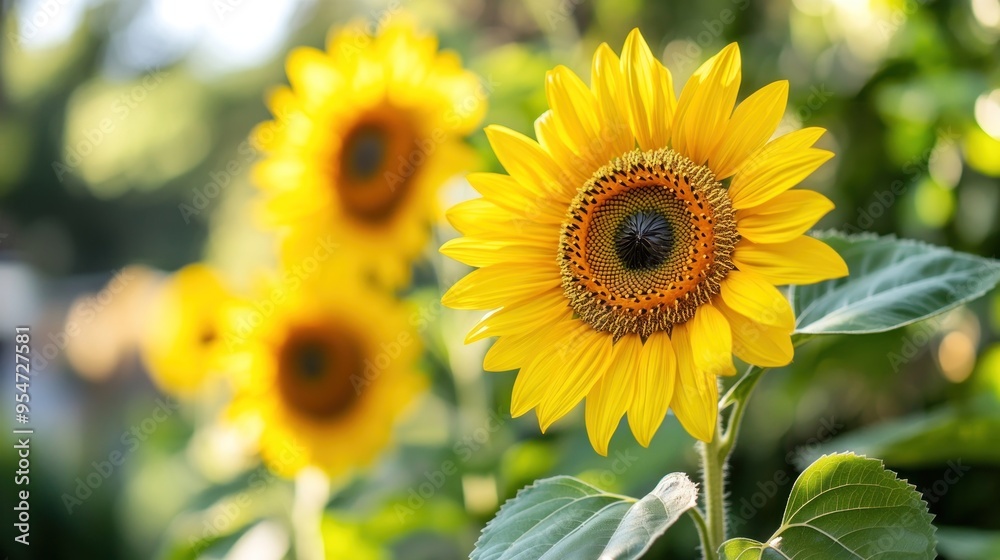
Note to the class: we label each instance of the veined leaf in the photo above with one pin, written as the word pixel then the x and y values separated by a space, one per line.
pixel 845 507
pixel 892 283
pixel 563 517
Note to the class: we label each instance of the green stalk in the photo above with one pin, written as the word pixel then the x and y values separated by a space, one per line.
pixel 714 456
pixel 712 465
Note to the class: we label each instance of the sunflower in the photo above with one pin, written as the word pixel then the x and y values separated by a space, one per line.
pixel 361 141
pixel 324 370
pixel 636 246
pixel 182 343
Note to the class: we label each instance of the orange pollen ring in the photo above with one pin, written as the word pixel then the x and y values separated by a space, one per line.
pixel 647 240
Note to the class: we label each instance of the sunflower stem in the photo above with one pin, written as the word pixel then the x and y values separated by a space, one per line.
pixel 699 522
pixel 311 493
pixel 714 456
pixel 713 465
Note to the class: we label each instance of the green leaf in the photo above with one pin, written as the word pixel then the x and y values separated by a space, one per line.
pixel 967 430
pixel 563 517
pixel 959 543
pixel 892 283
pixel 845 507
pixel 744 386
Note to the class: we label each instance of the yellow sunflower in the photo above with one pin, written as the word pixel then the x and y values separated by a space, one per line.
pixel 182 344
pixel 324 371
pixel 361 141
pixel 636 245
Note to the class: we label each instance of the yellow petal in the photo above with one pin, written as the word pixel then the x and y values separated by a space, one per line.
pixel 803 260
pixel 516 197
pixel 784 217
pixel 712 342
pixel 749 294
pixel 499 285
pixel 610 396
pixel 478 252
pixel 609 89
pixel 574 107
pixel 482 218
pixel 696 393
pixel 706 104
pixel 474 216
pixel 795 141
pixel 522 317
pixel 554 141
pixel 650 93
pixel 512 352
pixel 587 358
pixel 654 387
pixel 774 175
pixel 312 75
pixel 548 362
pixel 755 343
pixel 526 161
pixel 515 351
pixel 753 123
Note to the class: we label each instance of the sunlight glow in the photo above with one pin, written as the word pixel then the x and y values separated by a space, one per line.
pixel 988 113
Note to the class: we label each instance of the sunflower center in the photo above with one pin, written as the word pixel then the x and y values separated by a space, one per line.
pixel 317 368
pixel 364 152
pixel 644 240
pixel 207 336
pixel 647 240
pixel 377 161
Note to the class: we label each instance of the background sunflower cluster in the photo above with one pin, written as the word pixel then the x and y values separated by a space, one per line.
pixel 160 220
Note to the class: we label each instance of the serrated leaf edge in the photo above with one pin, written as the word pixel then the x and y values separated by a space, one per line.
pixel 534 485
pixel 777 533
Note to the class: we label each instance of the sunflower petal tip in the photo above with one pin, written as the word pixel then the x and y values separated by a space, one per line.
pixel 475 336
pixel 597 442
pixel 494 129
pixel 543 426
pixel 449 298
pixel 518 411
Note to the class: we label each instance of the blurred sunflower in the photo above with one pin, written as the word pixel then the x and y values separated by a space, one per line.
pixel 182 344
pixel 324 373
pixel 630 275
pixel 362 140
